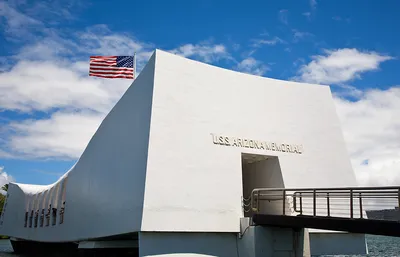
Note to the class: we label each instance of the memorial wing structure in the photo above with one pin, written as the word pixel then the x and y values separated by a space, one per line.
pixel 176 155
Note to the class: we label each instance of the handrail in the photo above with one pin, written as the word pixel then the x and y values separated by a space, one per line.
pixel 324 188
pixel 351 202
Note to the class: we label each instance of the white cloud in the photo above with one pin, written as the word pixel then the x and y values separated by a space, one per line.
pixel 283 16
pixel 252 66
pixel 52 12
pixel 313 4
pixel 274 41
pixel 52 71
pixel 47 49
pixel 49 74
pixel 339 18
pixel 348 91
pixel 14 22
pixel 63 136
pixel 79 45
pixel 371 127
pixel 307 14
pixel 62 88
pixel 298 35
pixel 5 178
pixel 205 51
pixel 31 19
pixel 5 155
pixel 44 85
pixel 338 66
pixel 99 39
pixel 371 123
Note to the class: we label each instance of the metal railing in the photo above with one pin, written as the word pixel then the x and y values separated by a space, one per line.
pixel 348 202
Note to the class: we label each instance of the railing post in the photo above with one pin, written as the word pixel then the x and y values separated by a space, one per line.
pixel 258 201
pixel 284 201
pixel 361 207
pixel 294 197
pixel 398 198
pixel 328 204
pixel 315 202
pixel 301 205
pixel 351 203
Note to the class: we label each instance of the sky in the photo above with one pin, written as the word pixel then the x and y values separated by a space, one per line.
pixel 50 107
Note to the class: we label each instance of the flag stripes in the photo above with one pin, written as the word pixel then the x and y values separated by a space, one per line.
pixel 112 66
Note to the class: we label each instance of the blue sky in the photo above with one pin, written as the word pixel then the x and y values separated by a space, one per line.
pixel 49 107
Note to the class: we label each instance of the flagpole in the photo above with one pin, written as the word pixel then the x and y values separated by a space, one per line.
pixel 134 65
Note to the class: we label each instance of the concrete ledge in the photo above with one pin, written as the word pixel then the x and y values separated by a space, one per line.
pixel 108 244
pixel 361 226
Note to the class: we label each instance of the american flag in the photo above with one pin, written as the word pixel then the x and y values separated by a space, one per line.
pixel 112 67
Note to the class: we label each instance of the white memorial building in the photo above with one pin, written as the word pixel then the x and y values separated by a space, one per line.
pixel 170 164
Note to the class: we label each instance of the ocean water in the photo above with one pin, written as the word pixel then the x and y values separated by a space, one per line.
pixel 378 246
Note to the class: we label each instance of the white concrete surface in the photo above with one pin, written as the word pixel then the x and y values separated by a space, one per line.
pixel 337 244
pixel 193 184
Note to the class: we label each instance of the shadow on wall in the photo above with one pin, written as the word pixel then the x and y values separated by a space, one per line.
pixel 46 208
pixel 2 203
pixel 261 171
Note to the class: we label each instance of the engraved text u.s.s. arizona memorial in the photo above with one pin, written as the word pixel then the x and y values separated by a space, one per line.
pixel 256 144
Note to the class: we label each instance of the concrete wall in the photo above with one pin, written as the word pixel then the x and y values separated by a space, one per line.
pixel 188 244
pixel 194 183
pixel 337 244
pixel 256 242
pixel 270 241
pixel 105 189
